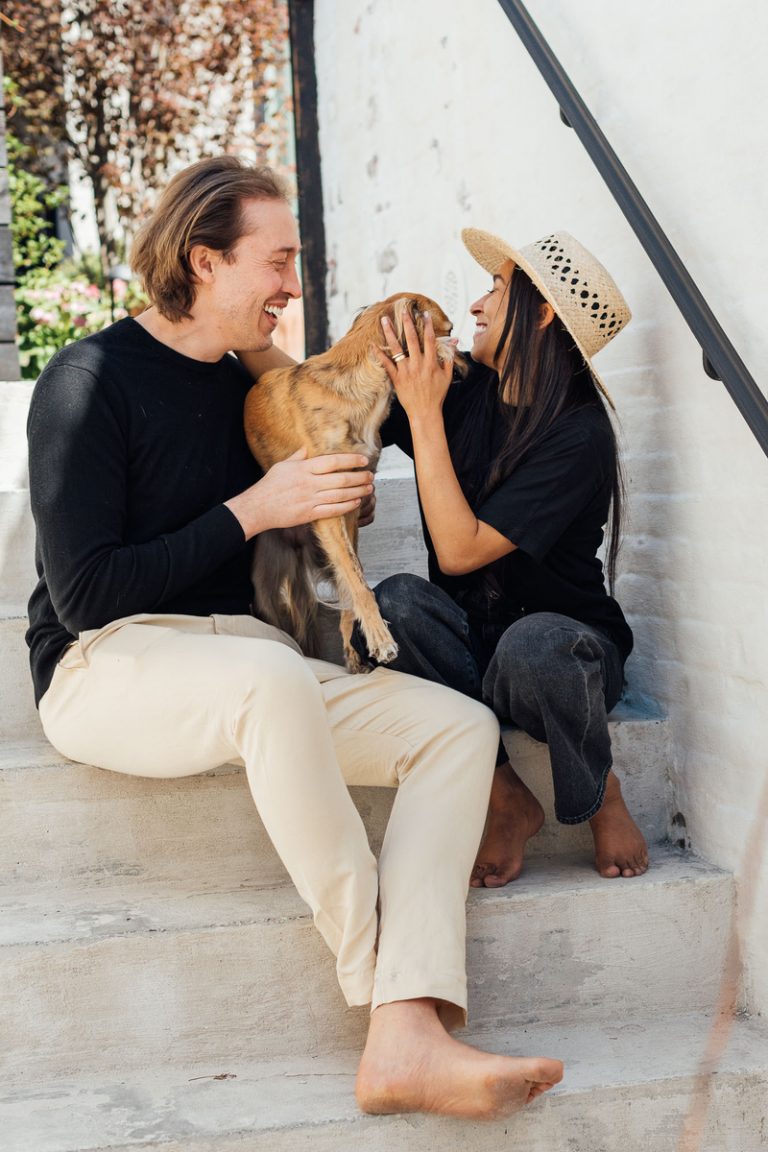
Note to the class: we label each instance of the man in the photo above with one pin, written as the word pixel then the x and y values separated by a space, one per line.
pixel 146 658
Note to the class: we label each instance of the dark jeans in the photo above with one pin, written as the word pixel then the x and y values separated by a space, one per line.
pixel 552 676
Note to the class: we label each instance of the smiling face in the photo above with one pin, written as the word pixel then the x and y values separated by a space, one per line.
pixel 244 294
pixel 490 312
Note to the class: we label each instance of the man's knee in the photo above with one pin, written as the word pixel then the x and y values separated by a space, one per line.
pixel 273 670
pixel 452 714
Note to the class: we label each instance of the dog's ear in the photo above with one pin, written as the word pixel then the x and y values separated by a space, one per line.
pixel 407 304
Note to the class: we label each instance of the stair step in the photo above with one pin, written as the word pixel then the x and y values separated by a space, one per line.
pixel 14 405
pixel 627 1086
pixel 115 975
pixel 17 552
pixel 59 819
pixel 18 715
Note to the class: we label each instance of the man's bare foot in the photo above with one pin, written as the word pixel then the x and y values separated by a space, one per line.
pixel 411 1064
pixel 620 848
pixel 514 815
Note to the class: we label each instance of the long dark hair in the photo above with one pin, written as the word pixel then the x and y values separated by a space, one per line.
pixel 543 374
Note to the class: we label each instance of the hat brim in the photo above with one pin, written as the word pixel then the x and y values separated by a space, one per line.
pixel 491 253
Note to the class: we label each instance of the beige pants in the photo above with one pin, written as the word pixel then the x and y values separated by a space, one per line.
pixel 168 696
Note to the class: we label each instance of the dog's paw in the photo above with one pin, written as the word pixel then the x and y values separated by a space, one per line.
pixel 385 652
pixel 353 662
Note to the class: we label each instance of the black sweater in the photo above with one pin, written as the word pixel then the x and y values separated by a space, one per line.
pixel 132 450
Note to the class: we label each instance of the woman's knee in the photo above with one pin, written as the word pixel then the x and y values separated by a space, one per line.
pixel 399 595
pixel 543 647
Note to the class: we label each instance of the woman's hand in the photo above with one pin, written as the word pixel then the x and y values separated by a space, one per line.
pixel 419 379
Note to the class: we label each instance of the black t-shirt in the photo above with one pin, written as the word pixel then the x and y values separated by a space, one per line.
pixel 132 450
pixel 553 507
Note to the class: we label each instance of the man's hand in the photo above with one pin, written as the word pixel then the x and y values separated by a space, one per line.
pixel 298 491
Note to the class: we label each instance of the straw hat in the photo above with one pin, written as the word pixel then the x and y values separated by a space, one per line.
pixel 580 290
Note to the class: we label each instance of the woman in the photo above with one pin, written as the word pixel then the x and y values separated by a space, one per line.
pixel 517 471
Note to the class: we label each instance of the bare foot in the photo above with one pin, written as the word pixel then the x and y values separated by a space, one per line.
pixel 514 816
pixel 620 848
pixel 411 1064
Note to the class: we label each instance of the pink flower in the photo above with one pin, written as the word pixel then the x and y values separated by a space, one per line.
pixel 119 287
pixel 79 321
pixel 42 316
pixel 92 291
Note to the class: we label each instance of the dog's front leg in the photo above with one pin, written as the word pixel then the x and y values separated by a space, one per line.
pixel 357 599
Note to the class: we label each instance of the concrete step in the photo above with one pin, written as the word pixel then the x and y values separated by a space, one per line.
pixel 61 820
pixel 18 715
pixel 628 1086
pixel 17 552
pixel 121 974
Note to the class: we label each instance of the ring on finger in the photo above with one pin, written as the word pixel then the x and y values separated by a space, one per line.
pixel 398 356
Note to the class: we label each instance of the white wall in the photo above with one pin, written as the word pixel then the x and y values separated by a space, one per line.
pixel 433 117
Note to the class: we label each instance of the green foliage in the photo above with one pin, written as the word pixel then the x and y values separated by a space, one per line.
pixel 34 244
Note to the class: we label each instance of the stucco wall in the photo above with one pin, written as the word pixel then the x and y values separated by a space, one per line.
pixel 433 117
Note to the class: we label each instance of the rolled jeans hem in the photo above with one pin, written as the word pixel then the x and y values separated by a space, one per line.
pixel 595 807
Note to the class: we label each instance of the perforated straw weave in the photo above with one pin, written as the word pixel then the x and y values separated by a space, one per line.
pixel 582 292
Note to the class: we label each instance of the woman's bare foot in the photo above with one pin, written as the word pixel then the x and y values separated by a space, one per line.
pixel 620 848
pixel 514 815
pixel 411 1064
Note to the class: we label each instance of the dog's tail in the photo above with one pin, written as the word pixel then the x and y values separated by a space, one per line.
pixel 284 563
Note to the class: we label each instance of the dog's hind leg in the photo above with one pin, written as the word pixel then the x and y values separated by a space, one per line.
pixel 357 598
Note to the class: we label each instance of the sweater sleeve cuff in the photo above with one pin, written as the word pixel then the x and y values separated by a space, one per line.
pixel 226 531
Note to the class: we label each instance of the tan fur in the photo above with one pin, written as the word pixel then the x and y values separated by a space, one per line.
pixel 334 402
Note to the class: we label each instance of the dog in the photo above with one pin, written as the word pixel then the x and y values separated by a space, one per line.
pixel 333 402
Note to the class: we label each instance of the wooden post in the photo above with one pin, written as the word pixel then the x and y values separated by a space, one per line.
pixel 311 218
pixel 9 354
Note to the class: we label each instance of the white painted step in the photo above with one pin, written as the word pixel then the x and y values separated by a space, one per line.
pixel 17 541
pixel 119 975
pixel 627 1087
pixel 17 552
pixel 14 405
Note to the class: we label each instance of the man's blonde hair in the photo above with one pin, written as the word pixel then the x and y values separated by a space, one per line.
pixel 201 205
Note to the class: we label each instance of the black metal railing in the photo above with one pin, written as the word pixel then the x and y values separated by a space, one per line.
pixel 721 360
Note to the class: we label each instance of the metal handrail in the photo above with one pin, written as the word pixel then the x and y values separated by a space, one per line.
pixel 721 360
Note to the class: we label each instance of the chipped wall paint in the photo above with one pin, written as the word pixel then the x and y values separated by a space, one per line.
pixel 440 121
